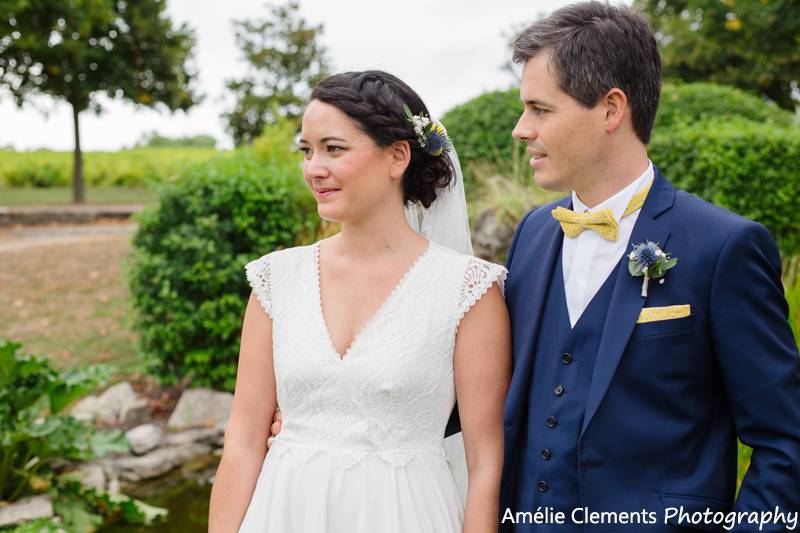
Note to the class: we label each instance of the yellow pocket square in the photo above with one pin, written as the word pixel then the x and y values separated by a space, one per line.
pixel 671 312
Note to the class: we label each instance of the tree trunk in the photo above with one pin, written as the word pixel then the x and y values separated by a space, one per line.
pixel 77 166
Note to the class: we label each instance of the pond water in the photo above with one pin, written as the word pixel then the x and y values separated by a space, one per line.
pixel 185 492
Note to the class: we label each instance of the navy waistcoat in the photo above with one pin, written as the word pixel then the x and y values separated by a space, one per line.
pixel 563 370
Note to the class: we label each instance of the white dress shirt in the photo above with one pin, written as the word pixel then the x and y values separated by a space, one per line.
pixel 588 259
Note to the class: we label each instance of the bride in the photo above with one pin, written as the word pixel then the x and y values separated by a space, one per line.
pixel 367 338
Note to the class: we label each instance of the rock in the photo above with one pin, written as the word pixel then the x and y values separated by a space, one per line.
pixel 145 438
pixel 114 398
pixel 107 406
pixel 113 482
pixel 29 508
pixel 491 237
pixel 200 408
pixel 159 462
pixel 93 475
pixel 209 435
pixel 86 409
pixel 134 412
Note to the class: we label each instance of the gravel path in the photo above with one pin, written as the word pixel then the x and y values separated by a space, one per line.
pixel 26 237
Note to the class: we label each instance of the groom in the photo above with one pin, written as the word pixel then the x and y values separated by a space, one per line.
pixel 621 403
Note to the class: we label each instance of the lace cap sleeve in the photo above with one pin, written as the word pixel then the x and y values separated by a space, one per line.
pixel 258 276
pixel 478 278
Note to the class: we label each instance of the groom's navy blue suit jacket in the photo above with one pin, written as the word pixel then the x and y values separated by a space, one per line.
pixel 668 398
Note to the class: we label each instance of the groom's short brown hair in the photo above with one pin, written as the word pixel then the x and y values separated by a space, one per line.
pixel 595 47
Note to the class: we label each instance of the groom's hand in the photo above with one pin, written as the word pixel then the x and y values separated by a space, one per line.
pixel 275 428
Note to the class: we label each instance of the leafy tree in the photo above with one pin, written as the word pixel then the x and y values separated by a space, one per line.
pixel 753 44
pixel 285 61
pixel 77 49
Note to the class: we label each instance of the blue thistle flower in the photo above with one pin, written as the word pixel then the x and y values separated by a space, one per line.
pixel 646 254
pixel 648 260
pixel 436 140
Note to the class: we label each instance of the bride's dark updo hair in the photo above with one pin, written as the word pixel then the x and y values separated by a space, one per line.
pixel 374 100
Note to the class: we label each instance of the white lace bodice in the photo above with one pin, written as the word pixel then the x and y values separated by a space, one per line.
pixel 392 393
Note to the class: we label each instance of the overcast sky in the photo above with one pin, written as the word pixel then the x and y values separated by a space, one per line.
pixel 449 51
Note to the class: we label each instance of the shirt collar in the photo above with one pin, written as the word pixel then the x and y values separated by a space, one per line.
pixel 619 202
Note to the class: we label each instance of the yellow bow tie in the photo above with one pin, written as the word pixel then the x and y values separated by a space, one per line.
pixel 603 221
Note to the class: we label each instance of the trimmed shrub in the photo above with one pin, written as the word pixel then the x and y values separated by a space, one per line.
pixel 720 143
pixel 481 130
pixel 752 169
pixel 690 103
pixel 187 269
pixel 481 127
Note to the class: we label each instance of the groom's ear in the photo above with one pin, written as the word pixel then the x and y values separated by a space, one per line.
pixel 400 152
pixel 616 107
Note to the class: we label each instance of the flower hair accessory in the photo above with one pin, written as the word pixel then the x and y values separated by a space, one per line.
pixel 648 260
pixel 431 135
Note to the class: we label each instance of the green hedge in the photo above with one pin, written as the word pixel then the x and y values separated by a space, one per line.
pixel 139 167
pixel 718 142
pixel 186 274
pixel 481 129
pixel 690 103
pixel 752 169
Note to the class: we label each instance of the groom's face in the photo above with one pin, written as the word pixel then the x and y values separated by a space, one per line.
pixel 565 139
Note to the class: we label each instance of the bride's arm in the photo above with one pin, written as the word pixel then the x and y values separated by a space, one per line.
pixel 482 373
pixel 247 430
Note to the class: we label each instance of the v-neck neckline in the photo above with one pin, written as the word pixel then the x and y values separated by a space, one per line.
pixel 368 324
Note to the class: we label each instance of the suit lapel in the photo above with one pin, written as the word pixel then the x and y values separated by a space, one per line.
pixel 543 251
pixel 626 300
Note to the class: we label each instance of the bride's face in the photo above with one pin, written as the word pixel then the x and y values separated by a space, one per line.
pixel 348 173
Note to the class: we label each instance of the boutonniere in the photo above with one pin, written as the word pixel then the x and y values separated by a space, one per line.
pixel 650 261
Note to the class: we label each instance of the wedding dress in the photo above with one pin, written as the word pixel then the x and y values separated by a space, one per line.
pixel 360 449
